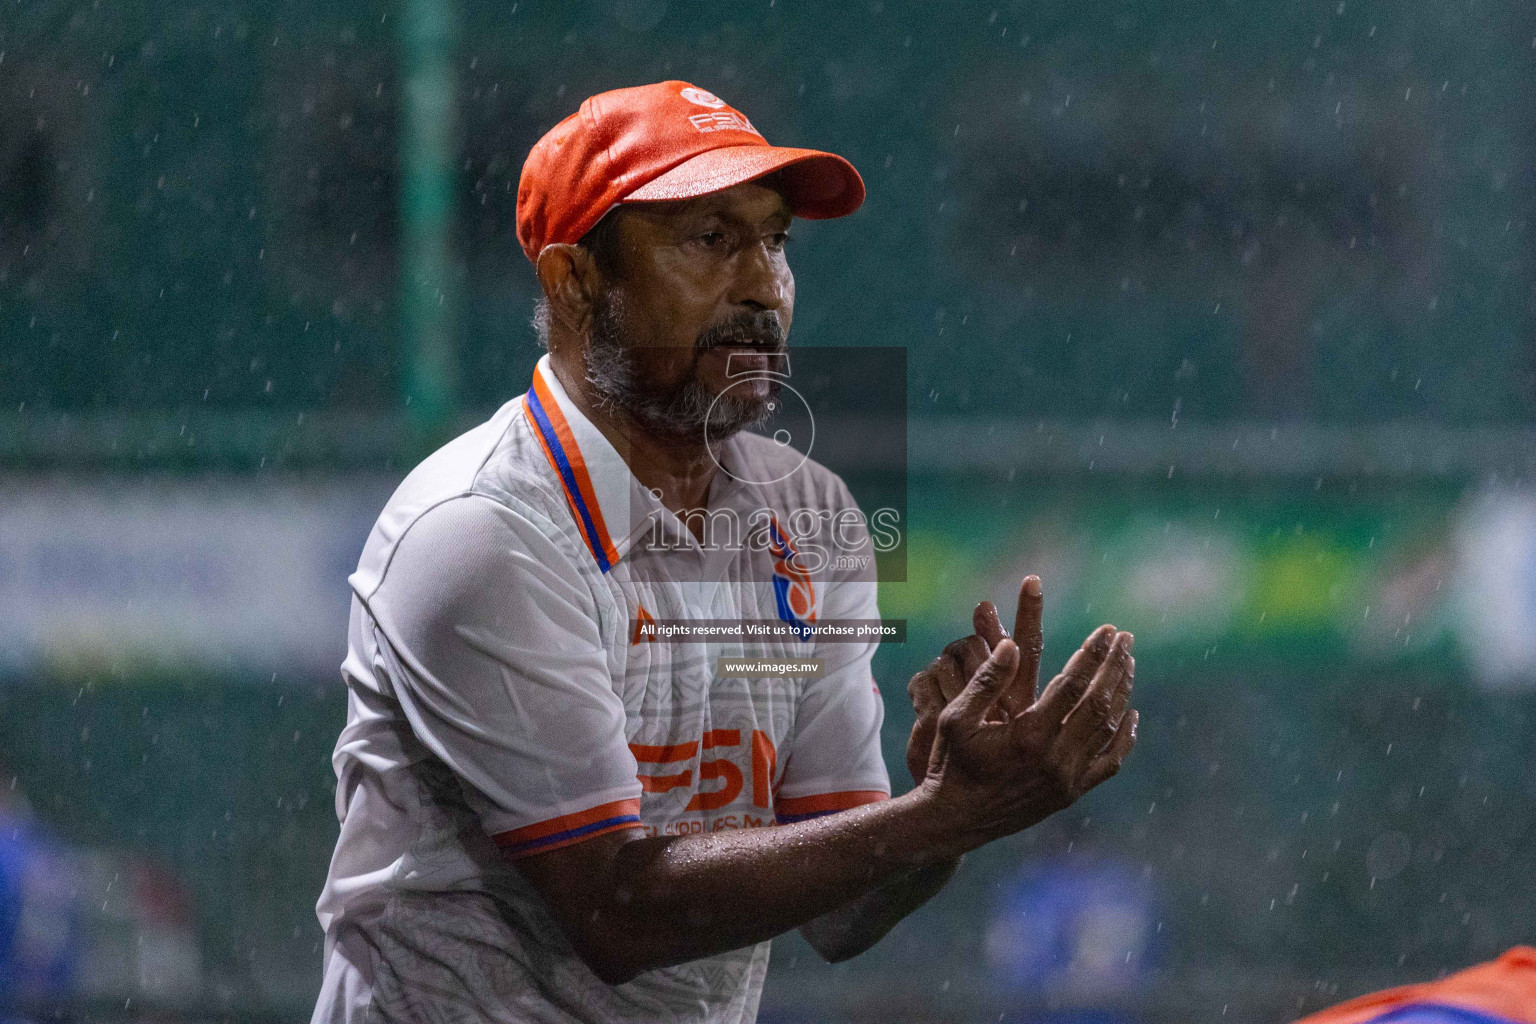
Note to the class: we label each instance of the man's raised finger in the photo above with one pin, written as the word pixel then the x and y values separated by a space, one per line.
pixel 1101 737
pixel 927 702
pixel 1120 697
pixel 925 690
pixel 986 623
pixel 1020 693
pixel 1091 719
pixel 965 656
pixel 1062 693
pixel 1027 634
pixel 968 653
pixel 986 686
pixel 941 678
pixel 1107 763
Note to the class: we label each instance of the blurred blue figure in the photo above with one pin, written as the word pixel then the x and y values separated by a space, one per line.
pixel 40 933
pixel 1075 933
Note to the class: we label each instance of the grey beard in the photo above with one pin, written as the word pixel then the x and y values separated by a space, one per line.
pixel 687 410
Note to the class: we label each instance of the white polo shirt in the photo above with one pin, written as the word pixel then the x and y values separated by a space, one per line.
pixel 503 702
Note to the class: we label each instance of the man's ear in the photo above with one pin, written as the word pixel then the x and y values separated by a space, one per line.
pixel 570 279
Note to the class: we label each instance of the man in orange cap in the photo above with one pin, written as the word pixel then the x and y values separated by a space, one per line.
pixel 547 812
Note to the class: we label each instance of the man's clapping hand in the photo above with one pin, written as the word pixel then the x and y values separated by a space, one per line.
pixel 999 754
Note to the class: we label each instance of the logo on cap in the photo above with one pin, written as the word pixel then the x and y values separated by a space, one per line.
pixel 702 98
pixel 722 120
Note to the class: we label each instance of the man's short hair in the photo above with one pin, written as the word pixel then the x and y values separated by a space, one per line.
pixel 603 243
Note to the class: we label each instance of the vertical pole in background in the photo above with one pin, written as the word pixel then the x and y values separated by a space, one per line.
pixel 429 35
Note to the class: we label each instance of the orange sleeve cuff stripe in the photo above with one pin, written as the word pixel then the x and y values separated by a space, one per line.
pixel 799 808
pixel 569 828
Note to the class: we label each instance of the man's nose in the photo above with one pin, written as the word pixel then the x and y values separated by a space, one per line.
pixel 759 282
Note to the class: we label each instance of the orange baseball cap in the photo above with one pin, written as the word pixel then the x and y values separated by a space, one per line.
pixel 656 142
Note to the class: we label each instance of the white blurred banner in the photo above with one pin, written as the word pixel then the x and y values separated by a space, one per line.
pixel 1496 541
pixel 219 572
pixel 246 575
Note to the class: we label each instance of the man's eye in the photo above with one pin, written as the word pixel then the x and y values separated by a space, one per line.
pixel 711 239
pixel 778 239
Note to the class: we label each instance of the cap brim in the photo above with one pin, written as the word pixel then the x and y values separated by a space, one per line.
pixel 817 185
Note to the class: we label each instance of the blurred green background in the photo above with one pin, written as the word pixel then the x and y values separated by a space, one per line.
pixel 1218 316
